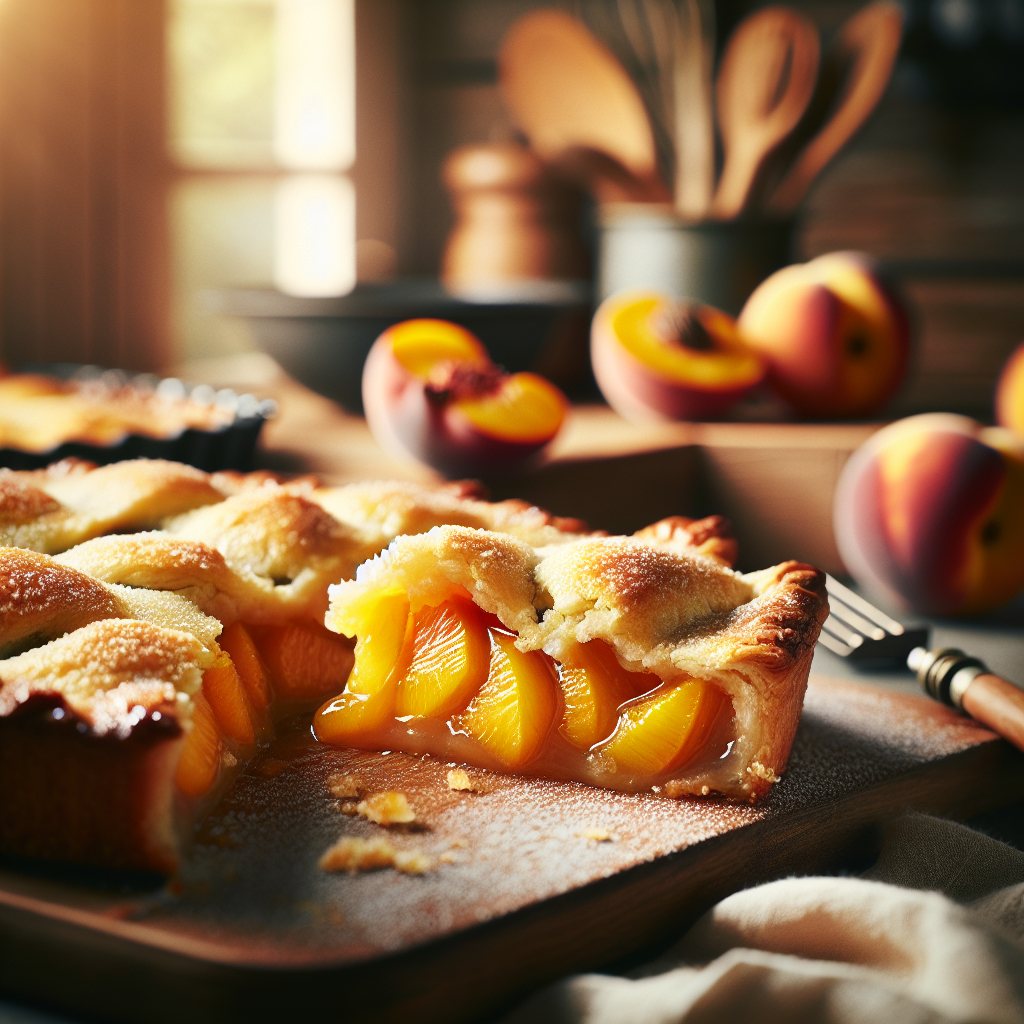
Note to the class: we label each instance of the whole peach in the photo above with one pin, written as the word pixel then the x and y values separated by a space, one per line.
pixel 1010 393
pixel 658 358
pixel 835 337
pixel 930 512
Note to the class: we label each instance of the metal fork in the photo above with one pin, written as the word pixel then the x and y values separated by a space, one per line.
pixel 857 630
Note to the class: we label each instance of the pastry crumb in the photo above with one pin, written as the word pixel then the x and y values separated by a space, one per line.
pixel 412 862
pixel 228 759
pixel 759 770
pixel 271 767
pixel 599 835
pixel 458 778
pixel 390 808
pixel 353 855
pixel 348 807
pixel 674 789
pixel 342 786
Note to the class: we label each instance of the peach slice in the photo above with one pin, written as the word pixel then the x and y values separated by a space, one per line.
pixel 237 641
pixel 225 693
pixel 450 660
pixel 199 763
pixel 667 730
pixel 306 661
pixel 239 644
pixel 657 358
pixel 382 651
pixel 430 391
pixel 513 713
pixel 595 686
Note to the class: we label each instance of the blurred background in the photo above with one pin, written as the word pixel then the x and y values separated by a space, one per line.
pixel 153 151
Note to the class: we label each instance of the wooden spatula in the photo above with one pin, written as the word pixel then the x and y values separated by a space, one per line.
pixel 854 76
pixel 765 83
pixel 565 89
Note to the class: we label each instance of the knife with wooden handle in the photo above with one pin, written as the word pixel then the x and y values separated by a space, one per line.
pixel 965 683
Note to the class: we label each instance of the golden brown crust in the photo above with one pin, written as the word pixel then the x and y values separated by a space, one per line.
pixel 634 594
pixel 380 510
pixel 496 570
pixel 711 536
pixel 133 495
pixel 21 501
pixel 271 533
pixel 192 569
pixel 112 674
pixel 41 599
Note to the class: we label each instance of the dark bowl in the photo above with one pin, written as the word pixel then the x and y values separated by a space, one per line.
pixel 324 342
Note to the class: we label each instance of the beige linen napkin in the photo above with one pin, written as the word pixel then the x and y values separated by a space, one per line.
pixel 933 932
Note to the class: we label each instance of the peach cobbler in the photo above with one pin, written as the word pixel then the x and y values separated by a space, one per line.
pixel 157 624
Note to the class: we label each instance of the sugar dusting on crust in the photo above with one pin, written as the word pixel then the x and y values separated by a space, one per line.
pixel 112 674
pixel 381 510
pixel 631 593
pixel 42 599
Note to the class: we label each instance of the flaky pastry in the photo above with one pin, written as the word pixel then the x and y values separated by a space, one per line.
pixel 52 509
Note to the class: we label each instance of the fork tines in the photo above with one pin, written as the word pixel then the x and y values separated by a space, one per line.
pixel 856 629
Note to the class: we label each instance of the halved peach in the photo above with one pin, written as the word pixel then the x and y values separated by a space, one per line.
pixel 595 686
pixel 658 358
pixel 668 729
pixel 430 391
pixel 513 713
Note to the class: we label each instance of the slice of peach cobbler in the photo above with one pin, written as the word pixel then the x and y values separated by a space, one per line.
pixel 627 662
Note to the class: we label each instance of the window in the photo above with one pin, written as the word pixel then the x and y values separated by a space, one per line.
pixel 262 133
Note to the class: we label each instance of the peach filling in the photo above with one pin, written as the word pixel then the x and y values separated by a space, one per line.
pixel 259 670
pixel 450 681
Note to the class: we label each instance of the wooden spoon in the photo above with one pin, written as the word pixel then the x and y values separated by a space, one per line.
pixel 606 178
pixel 565 89
pixel 764 86
pixel 854 76
pixel 694 108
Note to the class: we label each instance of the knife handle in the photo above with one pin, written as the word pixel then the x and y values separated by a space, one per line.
pixel 955 678
pixel 998 704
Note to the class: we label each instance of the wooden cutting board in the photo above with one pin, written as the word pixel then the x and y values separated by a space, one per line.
pixel 254 930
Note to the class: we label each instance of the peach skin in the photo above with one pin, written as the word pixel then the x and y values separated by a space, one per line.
pixel 930 512
pixel 835 338
pixel 431 392
pixel 657 358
